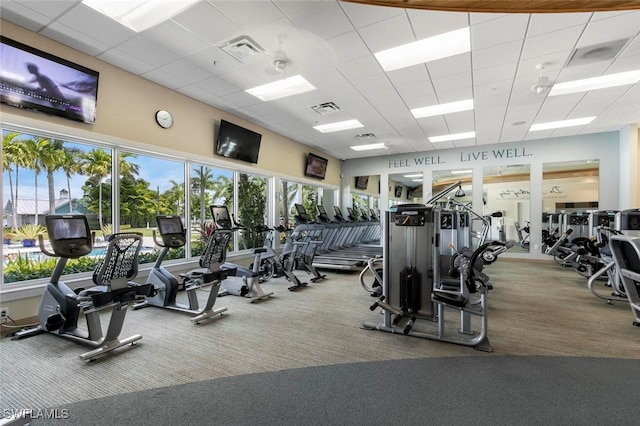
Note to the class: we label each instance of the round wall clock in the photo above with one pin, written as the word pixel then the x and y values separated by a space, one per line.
pixel 164 119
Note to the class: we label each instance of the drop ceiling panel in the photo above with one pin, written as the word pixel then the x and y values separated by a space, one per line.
pixel 186 71
pixel 450 66
pixel 96 25
pixel 583 71
pixel 431 23
pixel 497 55
pixel 418 94
pixel 342 48
pixel 384 35
pixel 543 23
pixel 208 23
pixel 495 74
pixel 215 59
pixel 249 14
pixel 322 21
pixel 355 69
pixel 625 64
pixel 125 61
pixel 23 16
pixel 72 38
pixel 175 38
pixel 557 41
pixel 504 29
pixel 362 16
pixel 147 51
pixel 614 28
pixel 453 82
pixel 48 8
pixel 217 86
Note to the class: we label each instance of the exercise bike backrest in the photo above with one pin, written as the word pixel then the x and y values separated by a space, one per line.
pixel 120 262
pixel 171 231
pixel 69 235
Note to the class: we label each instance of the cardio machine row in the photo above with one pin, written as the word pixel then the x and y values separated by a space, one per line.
pixel 604 247
pixel 70 237
pixel 340 244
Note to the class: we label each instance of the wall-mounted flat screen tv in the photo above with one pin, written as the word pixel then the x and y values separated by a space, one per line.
pixel 36 80
pixel 362 182
pixel 316 166
pixel 236 142
pixel 398 191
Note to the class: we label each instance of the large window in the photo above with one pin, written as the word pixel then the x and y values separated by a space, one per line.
pixel 122 189
pixel 43 175
pixel 207 186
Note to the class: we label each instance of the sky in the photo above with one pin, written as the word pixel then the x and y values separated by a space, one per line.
pixel 159 172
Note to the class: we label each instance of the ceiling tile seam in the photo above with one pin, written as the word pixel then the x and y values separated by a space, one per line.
pixel 518 62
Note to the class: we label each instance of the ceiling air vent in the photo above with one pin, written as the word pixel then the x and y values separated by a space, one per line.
pixel 242 48
pixel 325 108
pixel 365 136
pixel 597 52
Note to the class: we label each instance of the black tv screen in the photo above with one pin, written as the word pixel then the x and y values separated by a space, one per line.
pixel 237 142
pixel 36 80
pixel 362 182
pixel 398 191
pixel 316 166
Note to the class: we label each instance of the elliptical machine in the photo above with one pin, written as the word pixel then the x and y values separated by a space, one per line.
pixel 165 285
pixel 60 307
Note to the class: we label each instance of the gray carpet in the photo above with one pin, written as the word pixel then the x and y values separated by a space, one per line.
pixel 476 390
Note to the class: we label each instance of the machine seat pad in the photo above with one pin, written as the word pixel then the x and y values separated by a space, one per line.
pixel 259 250
pixel 94 290
pixel 449 298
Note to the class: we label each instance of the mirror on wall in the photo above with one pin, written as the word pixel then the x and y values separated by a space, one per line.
pixel 405 188
pixel 506 195
pixel 365 196
pixel 568 187
pixel 442 179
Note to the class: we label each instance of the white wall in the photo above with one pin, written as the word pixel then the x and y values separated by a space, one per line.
pixel 604 147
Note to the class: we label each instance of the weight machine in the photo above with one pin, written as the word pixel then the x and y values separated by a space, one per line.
pixel 414 291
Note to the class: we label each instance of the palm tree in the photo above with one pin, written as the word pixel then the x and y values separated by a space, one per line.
pixel 11 148
pixel 71 165
pixel 97 165
pixel 201 181
pixel 175 195
pixel 34 150
pixel 52 158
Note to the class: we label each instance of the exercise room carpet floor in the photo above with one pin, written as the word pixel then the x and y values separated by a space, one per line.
pixel 560 356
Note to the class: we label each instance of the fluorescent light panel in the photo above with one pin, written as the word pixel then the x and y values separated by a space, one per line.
pixel 281 88
pixel 139 15
pixel 416 180
pixel 452 137
pixel 341 125
pixel 368 147
pixel 442 109
pixel 425 50
pixel 461 172
pixel 602 82
pixel 561 124
pixel 415 175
